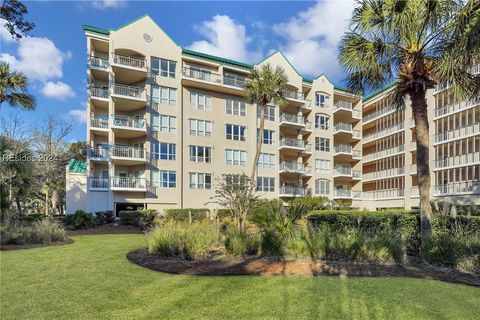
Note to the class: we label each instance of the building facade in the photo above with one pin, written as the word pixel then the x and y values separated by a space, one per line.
pixel 165 122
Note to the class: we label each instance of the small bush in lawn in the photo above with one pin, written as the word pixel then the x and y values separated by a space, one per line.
pixel 43 231
pixel 238 243
pixel 165 240
pixel 80 220
pixel 297 247
pixel 141 218
pixel 200 239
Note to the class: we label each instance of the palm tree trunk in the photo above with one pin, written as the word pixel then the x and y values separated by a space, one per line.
pixel 420 116
pixel 259 145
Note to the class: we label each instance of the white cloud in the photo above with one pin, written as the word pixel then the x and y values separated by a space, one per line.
pixel 312 36
pixel 109 4
pixel 38 58
pixel 225 38
pixel 78 115
pixel 5 36
pixel 57 90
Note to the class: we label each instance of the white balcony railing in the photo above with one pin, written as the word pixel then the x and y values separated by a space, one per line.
pixel 234 82
pixel 341 126
pixel 356 174
pixel 357 134
pixel 292 166
pixel 293 143
pixel 292 118
pixel 129 91
pixel 384 173
pixel 128 152
pixel 129 183
pixel 343 148
pixel 293 95
pixel 129 61
pixel 98 183
pixel 99 122
pixel 457 133
pixel 456 107
pixel 379 113
pixel 202 74
pixel 97 62
pixel 384 194
pixel 384 153
pixel 357 114
pixel 384 132
pixel 294 191
pixel 454 188
pixel 128 121
pixel 342 105
pixel 347 194
pixel 343 171
pixel 475 70
pixel 455 161
pixel 97 153
pixel 99 92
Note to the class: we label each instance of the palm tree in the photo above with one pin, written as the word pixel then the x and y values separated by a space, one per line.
pixel 13 88
pixel 265 86
pixel 419 44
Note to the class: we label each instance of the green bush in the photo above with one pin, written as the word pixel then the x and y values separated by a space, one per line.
pixel 104 217
pixel 182 215
pixel 30 217
pixel 141 218
pixel 44 231
pixel 314 203
pixel 225 213
pixel 195 242
pixel 79 220
pixel 238 243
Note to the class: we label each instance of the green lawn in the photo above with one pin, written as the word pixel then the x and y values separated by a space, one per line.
pixel 92 279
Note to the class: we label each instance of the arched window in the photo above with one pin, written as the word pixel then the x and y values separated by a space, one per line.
pixel 322 99
pixel 322 121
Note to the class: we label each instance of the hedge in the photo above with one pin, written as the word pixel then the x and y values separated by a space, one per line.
pixel 183 214
pixel 140 218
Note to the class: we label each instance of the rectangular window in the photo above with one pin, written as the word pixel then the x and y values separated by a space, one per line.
pixel 168 179
pixel 322 187
pixel 268 136
pixel 322 100
pixel 164 123
pixel 233 80
pixel 235 132
pixel 266 160
pixel 168 95
pixel 200 180
pixel 200 101
pixel 200 154
pixel 199 73
pixel 163 67
pixel 269 112
pixel 167 151
pixel 235 107
pixel 266 184
pixel 322 166
pixel 155 150
pixel 155 178
pixel 322 121
pixel 235 157
pixel 322 144
pixel 200 127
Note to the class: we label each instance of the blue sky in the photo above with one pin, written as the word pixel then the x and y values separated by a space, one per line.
pixel 54 57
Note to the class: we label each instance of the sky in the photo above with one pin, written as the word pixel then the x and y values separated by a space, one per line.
pixel 54 56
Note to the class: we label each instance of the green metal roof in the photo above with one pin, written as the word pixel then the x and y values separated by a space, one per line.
pixel 376 93
pixel 216 59
pixel 77 166
pixel 93 29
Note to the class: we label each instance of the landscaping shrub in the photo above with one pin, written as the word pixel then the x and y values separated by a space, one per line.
pixel 314 203
pixel 29 217
pixel 192 242
pixel 182 215
pixel 238 243
pixel 44 231
pixel 79 220
pixel 225 213
pixel 140 218
pixel 104 217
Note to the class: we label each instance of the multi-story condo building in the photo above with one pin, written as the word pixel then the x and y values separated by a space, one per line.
pixel 165 122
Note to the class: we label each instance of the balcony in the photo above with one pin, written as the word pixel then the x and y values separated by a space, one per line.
pixel 384 153
pixel 384 194
pixel 384 173
pixel 357 114
pixel 356 175
pixel 206 79
pixel 306 106
pixel 98 184
pixel 130 92
pixel 128 155
pixel 456 107
pixel 342 105
pixel 383 133
pixel 97 154
pixel 129 184
pixel 234 81
pixel 128 126
pixel 292 144
pixel 457 188
pixel 293 120
pixel 294 96
pixel 457 161
pixel 346 194
pixel 459 133
pixel 307 128
pixel 293 191
pixel 99 93
pixel 99 68
pixel 342 171
pixel 99 123
pixel 341 126
pixel 379 113
pixel 292 167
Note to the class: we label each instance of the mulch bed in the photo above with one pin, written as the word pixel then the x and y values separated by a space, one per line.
pixel 8 247
pixel 267 267
pixel 111 228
